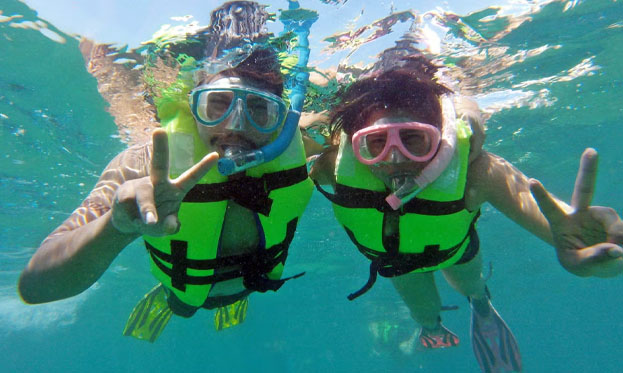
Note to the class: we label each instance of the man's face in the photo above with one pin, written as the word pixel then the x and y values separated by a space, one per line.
pixel 230 107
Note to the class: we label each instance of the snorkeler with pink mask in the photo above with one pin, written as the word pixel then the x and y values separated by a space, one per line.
pixel 409 178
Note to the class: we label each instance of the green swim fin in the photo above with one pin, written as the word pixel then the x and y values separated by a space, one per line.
pixel 231 315
pixel 150 316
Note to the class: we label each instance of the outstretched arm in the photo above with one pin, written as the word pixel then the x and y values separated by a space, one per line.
pixel 134 196
pixel 586 237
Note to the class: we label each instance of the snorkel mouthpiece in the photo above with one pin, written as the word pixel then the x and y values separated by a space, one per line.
pixel 237 161
pixel 405 188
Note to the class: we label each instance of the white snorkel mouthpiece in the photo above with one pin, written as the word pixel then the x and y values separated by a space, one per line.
pixel 406 187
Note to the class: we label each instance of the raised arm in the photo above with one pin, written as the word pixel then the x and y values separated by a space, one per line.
pixel 585 237
pixel 131 195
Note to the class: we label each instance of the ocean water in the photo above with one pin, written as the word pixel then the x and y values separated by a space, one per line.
pixel 547 73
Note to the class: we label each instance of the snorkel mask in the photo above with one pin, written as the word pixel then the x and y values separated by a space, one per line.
pixel 418 142
pixel 212 104
pixel 415 141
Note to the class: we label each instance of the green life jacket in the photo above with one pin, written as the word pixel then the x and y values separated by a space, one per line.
pixel 276 192
pixel 434 228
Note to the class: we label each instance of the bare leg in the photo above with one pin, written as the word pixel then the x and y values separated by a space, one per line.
pixel 419 292
pixel 467 279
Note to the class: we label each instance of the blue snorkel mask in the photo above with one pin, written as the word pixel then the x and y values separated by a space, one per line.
pixel 211 104
pixel 228 101
pixel 264 111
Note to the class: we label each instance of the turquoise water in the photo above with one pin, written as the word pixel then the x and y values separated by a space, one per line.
pixel 553 86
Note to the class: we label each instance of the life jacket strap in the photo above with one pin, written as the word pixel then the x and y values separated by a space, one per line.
pixel 374 269
pixel 393 263
pixel 262 283
pixel 249 192
pixel 252 267
pixel 351 197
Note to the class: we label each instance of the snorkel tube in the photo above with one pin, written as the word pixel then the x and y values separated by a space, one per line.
pixel 407 187
pixel 299 21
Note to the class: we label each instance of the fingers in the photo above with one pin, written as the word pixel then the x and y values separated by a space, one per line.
pixel 601 260
pixel 609 220
pixel 615 229
pixel 171 224
pixel 188 179
pixel 585 181
pixel 599 252
pixel 146 203
pixel 547 203
pixel 160 157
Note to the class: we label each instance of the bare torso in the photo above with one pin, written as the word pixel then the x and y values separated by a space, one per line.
pixel 238 236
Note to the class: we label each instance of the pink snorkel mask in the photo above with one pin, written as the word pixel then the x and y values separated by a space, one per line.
pixel 416 141
pixel 439 152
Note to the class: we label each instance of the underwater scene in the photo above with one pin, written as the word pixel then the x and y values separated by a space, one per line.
pixel 79 83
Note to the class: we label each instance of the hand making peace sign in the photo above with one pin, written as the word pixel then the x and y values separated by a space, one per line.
pixel 587 238
pixel 149 205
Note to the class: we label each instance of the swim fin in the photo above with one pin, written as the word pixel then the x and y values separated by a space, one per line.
pixel 439 337
pixel 493 342
pixel 231 315
pixel 149 316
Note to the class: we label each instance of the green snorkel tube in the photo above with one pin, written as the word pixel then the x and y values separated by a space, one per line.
pixel 299 21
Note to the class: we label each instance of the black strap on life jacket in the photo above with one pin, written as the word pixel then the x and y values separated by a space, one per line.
pixel 350 197
pixel 249 192
pixel 252 267
pixel 392 263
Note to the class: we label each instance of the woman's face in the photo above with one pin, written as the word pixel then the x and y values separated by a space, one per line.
pixel 395 163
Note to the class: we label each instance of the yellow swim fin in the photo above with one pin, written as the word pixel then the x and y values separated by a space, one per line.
pixel 150 316
pixel 231 315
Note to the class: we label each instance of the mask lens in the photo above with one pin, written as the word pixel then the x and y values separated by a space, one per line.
pixel 372 145
pixel 416 142
pixel 214 105
pixel 263 112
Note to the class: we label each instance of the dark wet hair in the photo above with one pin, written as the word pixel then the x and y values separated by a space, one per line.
pixel 411 86
pixel 261 68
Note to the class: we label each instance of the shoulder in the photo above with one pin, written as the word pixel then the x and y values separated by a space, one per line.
pixel 467 109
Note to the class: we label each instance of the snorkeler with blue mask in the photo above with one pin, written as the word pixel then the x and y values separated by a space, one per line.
pixel 212 237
